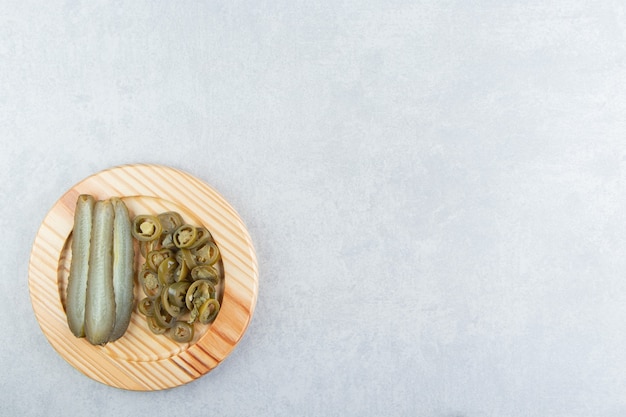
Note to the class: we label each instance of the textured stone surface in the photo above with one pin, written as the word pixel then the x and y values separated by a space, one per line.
pixel 436 191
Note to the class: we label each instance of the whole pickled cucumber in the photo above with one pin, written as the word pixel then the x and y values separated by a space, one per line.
pixel 79 267
pixel 100 300
pixel 123 261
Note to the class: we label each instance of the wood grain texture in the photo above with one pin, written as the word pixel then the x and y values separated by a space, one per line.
pixel 141 360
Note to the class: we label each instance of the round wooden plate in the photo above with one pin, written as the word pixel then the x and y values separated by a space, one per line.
pixel 141 360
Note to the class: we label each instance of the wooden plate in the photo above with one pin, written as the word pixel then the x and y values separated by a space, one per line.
pixel 141 360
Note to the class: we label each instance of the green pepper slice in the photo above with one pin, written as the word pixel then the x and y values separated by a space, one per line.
pixel 185 236
pixel 208 311
pixel 146 307
pixel 167 269
pixel 207 253
pixel 162 317
pixel 188 258
pixel 181 272
pixel 150 283
pixel 170 221
pixel 154 326
pixel 206 272
pixel 181 332
pixel 146 246
pixel 167 242
pixel 169 308
pixel 203 236
pixel 146 228
pixel 177 293
pixel 198 293
pixel 155 257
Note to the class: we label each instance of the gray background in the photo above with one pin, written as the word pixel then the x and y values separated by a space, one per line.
pixel 436 191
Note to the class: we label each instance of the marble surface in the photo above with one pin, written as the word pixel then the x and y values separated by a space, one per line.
pixel 436 191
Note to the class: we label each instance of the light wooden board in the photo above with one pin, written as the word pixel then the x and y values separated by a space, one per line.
pixel 141 360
